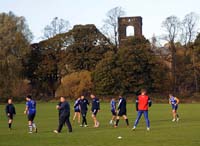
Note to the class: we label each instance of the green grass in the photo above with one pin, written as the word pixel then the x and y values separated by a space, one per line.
pixel 163 132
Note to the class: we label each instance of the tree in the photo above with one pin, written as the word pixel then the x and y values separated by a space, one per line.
pixel 105 76
pixel 133 67
pixel 196 62
pixel 189 31
pixel 56 26
pixel 171 26
pixel 75 84
pixel 79 49
pixel 189 28
pixel 87 48
pixel 15 38
pixel 110 27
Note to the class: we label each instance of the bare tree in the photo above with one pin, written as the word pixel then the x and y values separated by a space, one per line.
pixel 189 28
pixel 110 27
pixel 56 26
pixel 171 26
pixel 189 32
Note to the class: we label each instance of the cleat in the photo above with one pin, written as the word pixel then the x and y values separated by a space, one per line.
pixel 86 126
pixel 177 119
pixel 133 129
pixel 111 122
pixel 30 132
pixel 148 129
pixel 173 120
pixel 36 130
pixel 81 125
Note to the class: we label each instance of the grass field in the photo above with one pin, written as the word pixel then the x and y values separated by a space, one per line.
pixel 163 132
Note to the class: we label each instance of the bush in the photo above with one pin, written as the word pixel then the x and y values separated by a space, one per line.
pixel 74 84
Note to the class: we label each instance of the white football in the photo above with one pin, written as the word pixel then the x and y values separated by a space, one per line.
pixel 119 137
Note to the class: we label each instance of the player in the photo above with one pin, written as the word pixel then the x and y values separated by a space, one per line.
pixel 121 111
pixel 30 110
pixel 95 109
pixel 113 111
pixel 64 116
pixel 10 112
pixel 174 101
pixel 77 110
pixel 142 103
pixel 84 108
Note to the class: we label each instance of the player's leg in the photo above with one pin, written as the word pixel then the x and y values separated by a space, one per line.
pixel 79 117
pixel 177 115
pixel 10 119
pixel 113 119
pixel 139 114
pixel 75 114
pixel 174 115
pixel 147 119
pixel 33 124
pixel 96 123
pixel 30 122
pixel 117 121
pixel 61 123
pixel 68 124
pixel 126 119
pixel 85 120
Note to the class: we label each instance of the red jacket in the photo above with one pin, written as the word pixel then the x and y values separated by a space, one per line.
pixel 143 102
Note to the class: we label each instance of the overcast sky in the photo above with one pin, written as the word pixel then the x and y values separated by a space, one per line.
pixel 39 13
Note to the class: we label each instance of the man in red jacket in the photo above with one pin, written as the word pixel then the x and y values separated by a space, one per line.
pixel 143 102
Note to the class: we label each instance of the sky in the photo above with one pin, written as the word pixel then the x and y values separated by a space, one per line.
pixel 39 13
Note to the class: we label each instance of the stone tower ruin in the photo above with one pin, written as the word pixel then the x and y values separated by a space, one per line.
pixel 124 22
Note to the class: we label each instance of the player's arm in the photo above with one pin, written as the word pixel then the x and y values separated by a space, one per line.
pixel 26 110
pixel 58 105
pixel 14 111
pixel 119 104
pixel 149 102
pixel 177 100
pixel 136 104
pixel 170 102
pixel 6 110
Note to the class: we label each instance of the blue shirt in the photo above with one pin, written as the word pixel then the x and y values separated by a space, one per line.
pixel 113 105
pixel 173 100
pixel 95 104
pixel 76 104
pixel 31 107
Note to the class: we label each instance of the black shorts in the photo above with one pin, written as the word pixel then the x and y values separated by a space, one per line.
pixel 31 117
pixel 10 117
pixel 77 110
pixel 113 112
pixel 94 112
pixel 122 113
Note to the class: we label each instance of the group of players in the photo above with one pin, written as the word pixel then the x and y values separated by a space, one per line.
pixel 143 102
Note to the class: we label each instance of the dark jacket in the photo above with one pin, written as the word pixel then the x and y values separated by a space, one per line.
pixel 10 109
pixel 83 104
pixel 64 109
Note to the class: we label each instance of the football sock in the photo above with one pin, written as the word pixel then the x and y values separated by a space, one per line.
pixel 127 123
pixel 30 128
pixel 117 122
pixel 34 126
pixel 9 125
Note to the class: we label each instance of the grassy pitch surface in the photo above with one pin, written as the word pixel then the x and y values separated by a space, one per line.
pixel 163 132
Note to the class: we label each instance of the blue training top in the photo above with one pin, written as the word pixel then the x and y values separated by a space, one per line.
pixel 173 100
pixel 76 104
pixel 113 105
pixel 31 106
